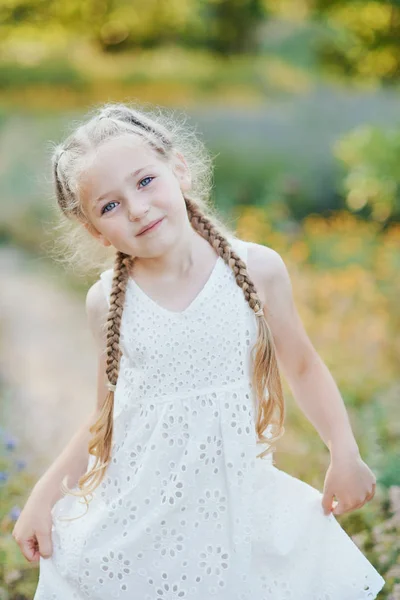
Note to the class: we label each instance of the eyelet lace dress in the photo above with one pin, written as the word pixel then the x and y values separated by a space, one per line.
pixel 186 511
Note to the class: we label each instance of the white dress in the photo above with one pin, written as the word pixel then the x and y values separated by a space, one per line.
pixel 186 511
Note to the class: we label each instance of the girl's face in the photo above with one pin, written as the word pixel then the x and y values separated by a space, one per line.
pixel 128 186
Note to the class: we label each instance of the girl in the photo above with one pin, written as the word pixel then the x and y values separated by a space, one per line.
pixel 190 323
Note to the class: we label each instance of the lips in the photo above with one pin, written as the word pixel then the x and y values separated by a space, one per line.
pixel 149 226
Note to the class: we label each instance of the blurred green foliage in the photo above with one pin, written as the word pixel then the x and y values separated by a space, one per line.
pixel 364 39
pixel 371 157
pixel 49 73
pixel 353 39
pixel 221 25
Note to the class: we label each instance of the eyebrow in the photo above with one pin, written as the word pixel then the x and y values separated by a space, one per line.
pixel 134 174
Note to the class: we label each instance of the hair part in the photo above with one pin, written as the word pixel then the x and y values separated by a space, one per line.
pixel 165 134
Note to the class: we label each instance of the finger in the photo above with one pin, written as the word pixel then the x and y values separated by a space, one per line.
pixel 372 492
pixel 36 555
pixel 28 549
pixel 327 502
pixel 345 508
pixel 45 545
pixel 370 495
pixel 340 508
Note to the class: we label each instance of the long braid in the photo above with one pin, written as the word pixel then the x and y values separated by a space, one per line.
pixel 102 430
pixel 265 377
pixel 117 299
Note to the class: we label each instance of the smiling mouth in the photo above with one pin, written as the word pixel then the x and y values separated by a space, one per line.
pixel 152 227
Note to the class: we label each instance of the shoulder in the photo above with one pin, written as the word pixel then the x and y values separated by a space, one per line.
pixel 271 278
pixel 96 300
pixel 268 272
pixel 96 309
pixel 266 268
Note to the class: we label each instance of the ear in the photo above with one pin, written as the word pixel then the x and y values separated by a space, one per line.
pixel 181 171
pixel 96 234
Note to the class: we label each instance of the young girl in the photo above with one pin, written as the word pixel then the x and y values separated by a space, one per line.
pixel 175 499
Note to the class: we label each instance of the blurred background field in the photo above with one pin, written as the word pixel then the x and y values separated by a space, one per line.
pixel 298 102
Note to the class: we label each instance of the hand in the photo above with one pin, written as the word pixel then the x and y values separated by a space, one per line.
pixel 351 481
pixel 32 531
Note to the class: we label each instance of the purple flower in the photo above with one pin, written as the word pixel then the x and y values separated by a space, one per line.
pixel 10 443
pixel 3 476
pixel 14 513
pixel 20 464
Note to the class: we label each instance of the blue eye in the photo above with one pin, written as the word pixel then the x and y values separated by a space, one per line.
pixel 151 178
pixel 105 207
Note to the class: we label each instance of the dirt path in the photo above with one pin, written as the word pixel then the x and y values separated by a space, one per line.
pixel 47 359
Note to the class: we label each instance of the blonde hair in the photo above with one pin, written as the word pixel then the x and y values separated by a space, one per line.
pixel 165 135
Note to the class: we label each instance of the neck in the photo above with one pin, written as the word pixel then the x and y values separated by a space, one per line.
pixel 189 252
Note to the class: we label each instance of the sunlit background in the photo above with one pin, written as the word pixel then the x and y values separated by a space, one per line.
pixel 298 102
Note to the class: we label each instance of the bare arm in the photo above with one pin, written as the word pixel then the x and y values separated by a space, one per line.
pixel 73 460
pixel 310 380
pixel 348 477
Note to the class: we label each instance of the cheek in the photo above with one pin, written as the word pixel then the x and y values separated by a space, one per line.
pixel 171 202
pixel 114 227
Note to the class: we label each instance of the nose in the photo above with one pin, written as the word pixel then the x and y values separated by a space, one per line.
pixel 137 209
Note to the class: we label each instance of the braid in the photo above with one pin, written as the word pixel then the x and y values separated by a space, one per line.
pixel 209 232
pixel 101 442
pixel 60 191
pixel 265 378
pixel 65 197
pixel 117 299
